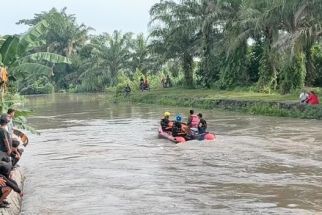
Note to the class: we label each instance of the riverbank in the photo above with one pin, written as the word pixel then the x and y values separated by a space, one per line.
pixel 243 101
pixel 14 199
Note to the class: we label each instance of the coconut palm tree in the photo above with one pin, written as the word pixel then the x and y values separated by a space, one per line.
pixel 175 33
pixel 110 54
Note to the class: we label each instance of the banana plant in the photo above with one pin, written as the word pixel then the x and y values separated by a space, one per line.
pixel 17 53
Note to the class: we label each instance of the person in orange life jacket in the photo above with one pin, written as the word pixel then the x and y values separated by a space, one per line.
pixel 202 127
pixel 193 120
pixel 177 128
pixel 165 122
pixel 313 99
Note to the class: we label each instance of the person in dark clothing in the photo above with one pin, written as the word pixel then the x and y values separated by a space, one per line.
pixel 12 184
pixel 15 152
pixel 168 81
pixel 127 90
pixel 5 141
pixel 9 184
pixel 165 122
pixel 202 127
pixel 177 130
pixel 141 83
pixel 5 168
pixel 6 183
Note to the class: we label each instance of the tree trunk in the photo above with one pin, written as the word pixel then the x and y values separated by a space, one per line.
pixel 187 62
pixel 311 74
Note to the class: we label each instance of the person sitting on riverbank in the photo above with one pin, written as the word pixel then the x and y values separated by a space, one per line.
pixel 313 98
pixel 16 152
pixel 303 97
pixel 144 84
pixel 127 90
pixel 6 182
pixel 11 114
pixel 5 141
pixel 8 145
pixel 165 122
pixel 7 185
pixel 202 127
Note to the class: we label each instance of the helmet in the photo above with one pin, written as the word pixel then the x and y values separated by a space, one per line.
pixel 166 113
pixel 178 118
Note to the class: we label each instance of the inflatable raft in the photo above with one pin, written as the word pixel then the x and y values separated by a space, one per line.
pixel 205 136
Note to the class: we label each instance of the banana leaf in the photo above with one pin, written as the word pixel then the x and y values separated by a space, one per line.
pixel 32 35
pixel 32 69
pixel 8 50
pixel 49 57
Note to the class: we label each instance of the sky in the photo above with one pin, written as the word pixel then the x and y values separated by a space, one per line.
pixel 102 15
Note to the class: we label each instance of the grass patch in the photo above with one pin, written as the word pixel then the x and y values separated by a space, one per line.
pixel 244 101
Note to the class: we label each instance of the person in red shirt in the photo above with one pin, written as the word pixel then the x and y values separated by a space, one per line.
pixel 313 99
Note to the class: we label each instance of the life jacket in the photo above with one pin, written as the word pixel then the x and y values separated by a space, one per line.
pixel 313 99
pixel 177 129
pixel 194 121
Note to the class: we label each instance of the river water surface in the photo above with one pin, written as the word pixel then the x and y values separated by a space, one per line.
pixel 96 157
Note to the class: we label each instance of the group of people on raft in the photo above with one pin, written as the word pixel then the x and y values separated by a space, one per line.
pixel 196 125
pixel 10 154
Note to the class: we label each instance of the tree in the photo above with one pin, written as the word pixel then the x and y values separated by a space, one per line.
pixel 63 36
pixel 24 64
pixel 110 53
pixel 174 35
pixel 141 57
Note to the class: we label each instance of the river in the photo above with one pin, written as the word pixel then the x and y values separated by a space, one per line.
pixel 96 157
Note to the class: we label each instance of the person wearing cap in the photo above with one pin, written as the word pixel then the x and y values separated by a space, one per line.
pixel 5 141
pixel 177 130
pixel 165 122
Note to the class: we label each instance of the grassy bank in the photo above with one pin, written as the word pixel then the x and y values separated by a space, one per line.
pixel 243 101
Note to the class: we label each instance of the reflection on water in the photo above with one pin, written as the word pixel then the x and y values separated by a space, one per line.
pixel 94 157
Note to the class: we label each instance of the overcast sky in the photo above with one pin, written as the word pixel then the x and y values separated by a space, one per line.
pixel 102 15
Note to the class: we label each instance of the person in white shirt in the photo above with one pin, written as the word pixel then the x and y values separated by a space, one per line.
pixel 303 97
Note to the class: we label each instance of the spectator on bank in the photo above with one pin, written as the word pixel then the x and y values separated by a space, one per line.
pixel 127 90
pixel 5 140
pixel 144 84
pixel 303 97
pixel 313 98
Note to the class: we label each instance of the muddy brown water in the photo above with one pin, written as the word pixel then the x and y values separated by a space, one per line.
pixel 96 157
